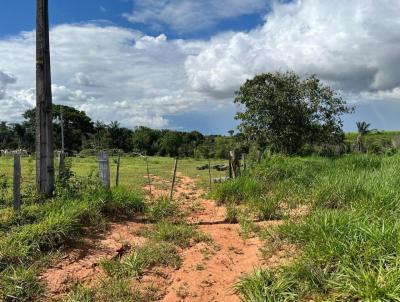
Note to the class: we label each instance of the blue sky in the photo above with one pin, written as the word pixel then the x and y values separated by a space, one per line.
pixel 177 63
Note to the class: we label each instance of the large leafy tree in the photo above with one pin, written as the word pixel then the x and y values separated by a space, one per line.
pixel 78 126
pixel 285 112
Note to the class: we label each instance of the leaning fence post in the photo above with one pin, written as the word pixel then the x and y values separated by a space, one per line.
pixel 104 169
pixel 148 174
pixel 17 182
pixel 173 179
pixel 117 176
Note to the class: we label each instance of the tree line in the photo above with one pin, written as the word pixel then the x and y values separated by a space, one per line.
pixel 84 136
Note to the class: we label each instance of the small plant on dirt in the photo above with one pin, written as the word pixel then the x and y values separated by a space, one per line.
pixel 142 258
pixel 262 285
pixel 232 212
pixel 265 207
pixel 162 208
pixel 79 293
pixel 181 234
pixel 248 228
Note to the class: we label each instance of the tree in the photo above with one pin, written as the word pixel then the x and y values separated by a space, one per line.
pixel 286 113
pixel 44 118
pixel 77 126
pixel 145 140
pixel 363 129
pixel 170 143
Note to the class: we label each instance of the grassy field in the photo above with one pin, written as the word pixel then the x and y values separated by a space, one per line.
pixel 348 239
pixel 133 171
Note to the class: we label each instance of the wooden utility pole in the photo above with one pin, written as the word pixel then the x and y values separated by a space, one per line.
pixel 44 114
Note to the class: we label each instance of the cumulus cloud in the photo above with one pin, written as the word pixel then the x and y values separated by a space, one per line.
pixel 352 45
pixel 100 68
pixel 191 15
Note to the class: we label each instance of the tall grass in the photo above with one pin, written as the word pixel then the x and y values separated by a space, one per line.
pixel 349 244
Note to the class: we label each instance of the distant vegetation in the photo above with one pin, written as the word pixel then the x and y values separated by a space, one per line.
pixel 84 136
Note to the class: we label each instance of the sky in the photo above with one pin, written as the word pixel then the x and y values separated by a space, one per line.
pixel 177 63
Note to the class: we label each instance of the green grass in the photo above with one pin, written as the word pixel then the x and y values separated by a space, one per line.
pixel 162 208
pixel 264 286
pixel 349 243
pixel 142 258
pixel 133 173
pixel 180 234
pixel 38 231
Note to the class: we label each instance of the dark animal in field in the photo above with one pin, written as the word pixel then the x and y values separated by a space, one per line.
pixel 204 167
pixel 220 167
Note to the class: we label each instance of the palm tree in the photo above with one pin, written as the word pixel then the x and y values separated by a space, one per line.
pixel 363 129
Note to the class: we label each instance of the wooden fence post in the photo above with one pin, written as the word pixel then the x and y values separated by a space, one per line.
pixel 17 182
pixel 233 163
pixel 171 194
pixel 104 169
pixel 117 176
pixel 61 164
pixel 209 172
pixel 148 174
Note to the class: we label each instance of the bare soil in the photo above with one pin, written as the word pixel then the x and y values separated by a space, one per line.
pixel 208 271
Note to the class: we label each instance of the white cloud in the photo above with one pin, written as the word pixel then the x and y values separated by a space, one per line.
pixel 353 45
pixel 99 69
pixel 5 80
pixel 190 15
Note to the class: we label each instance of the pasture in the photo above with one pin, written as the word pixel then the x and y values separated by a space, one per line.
pixel 297 229
pixel 133 170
